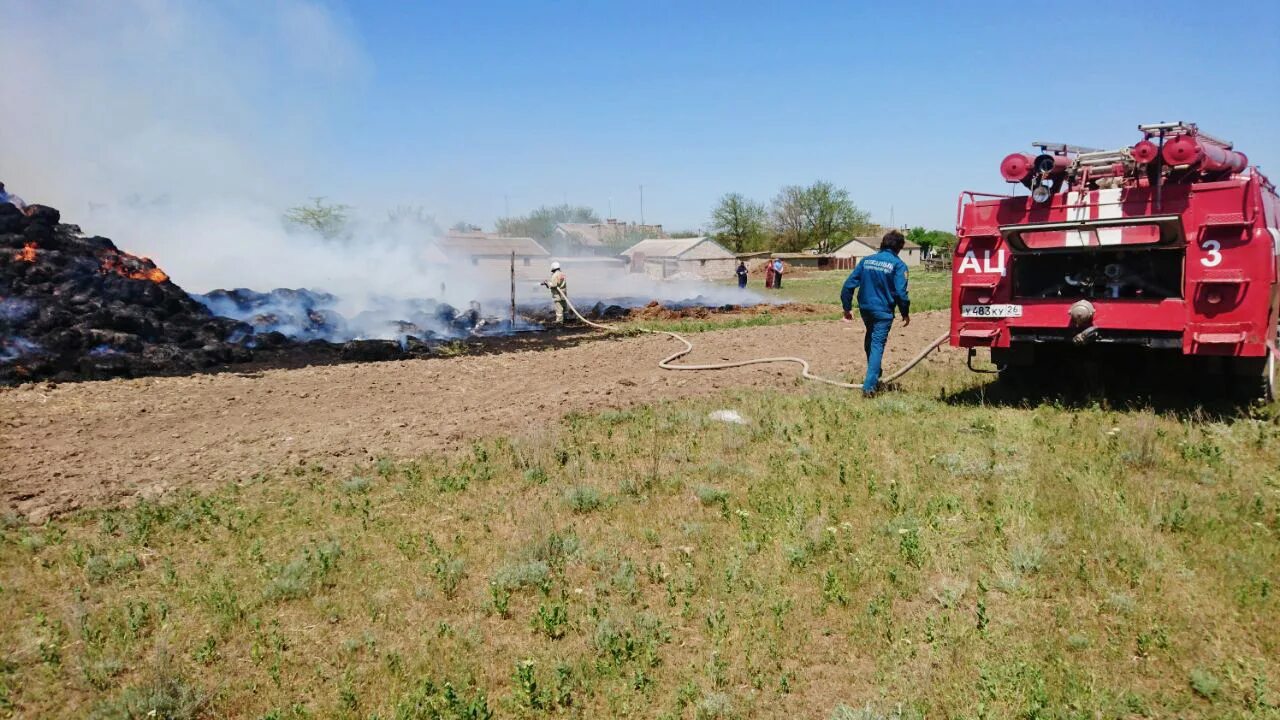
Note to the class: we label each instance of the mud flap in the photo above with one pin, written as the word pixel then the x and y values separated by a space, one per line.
pixel 1016 355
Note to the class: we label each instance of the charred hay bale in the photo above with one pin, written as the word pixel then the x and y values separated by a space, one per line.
pixel 269 340
pixel 40 233
pixel 102 340
pixel 97 243
pixel 167 358
pixel 445 313
pixel 416 346
pixel 67 341
pixel 11 221
pixel 372 350
pixel 104 366
pixel 225 352
pixel 43 214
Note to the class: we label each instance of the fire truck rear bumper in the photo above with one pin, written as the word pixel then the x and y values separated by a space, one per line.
pixel 1237 340
pixel 1160 340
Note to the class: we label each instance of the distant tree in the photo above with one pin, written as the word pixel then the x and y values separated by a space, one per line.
pixel 412 219
pixel 329 220
pixel 789 214
pixel 739 223
pixel 933 241
pixel 541 223
pixel 628 235
pixel 680 234
pixel 820 216
pixel 462 226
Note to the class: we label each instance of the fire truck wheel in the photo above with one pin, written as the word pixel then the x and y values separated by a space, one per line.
pixel 1254 379
pixel 1269 381
pixel 1019 380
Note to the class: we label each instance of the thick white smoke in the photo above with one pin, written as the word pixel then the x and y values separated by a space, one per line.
pixel 183 129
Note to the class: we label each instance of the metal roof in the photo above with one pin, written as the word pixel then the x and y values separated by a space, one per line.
pixel 873 243
pixel 865 241
pixel 486 244
pixel 673 247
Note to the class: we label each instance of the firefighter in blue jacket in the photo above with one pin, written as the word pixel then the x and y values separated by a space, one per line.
pixel 881 282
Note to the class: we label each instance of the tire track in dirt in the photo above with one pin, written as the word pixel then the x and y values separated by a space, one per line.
pixel 103 443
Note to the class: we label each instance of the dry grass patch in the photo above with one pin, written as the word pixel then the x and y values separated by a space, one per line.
pixel 833 557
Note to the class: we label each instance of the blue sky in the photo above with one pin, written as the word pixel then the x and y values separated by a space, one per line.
pixel 905 104
pixel 467 108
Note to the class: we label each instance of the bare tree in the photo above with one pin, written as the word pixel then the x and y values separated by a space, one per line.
pixel 790 214
pixel 329 220
pixel 819 217
pixel 739 222
pixel 411 220
pixel 541 223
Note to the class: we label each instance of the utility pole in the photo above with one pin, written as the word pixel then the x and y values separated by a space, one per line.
pixel 642 204
pixel 891 224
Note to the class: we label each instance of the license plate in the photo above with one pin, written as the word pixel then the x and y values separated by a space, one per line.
pixel 991 311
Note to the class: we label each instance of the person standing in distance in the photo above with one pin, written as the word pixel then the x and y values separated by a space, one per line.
pixel 742 275
pixel 881 282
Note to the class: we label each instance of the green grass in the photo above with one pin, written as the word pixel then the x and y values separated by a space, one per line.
pixel 930 290
pixel 727 322
pixel 918 555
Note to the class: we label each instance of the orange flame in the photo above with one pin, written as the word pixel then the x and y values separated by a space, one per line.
pixel 27 254
pixel 156 275
pixel 132 267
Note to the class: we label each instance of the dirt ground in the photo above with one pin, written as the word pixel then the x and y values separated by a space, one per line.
pixel 101 443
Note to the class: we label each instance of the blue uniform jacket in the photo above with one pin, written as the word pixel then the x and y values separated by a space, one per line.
pixel 881 282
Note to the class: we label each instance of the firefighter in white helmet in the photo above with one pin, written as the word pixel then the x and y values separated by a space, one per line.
pixel 559 288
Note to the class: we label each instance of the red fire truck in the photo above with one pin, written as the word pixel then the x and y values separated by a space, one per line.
pixel 1167 251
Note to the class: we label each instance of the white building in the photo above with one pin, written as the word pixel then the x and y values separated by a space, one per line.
pixel 699 257
pixel 861 247
pixel 492 253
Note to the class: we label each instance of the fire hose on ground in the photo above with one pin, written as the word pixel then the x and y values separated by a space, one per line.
pixel 667 362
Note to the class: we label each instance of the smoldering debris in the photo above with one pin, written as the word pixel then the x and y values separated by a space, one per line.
pixel 305 314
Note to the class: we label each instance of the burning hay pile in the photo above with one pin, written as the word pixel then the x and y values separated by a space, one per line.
pixel 78 307
pixel 74 307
